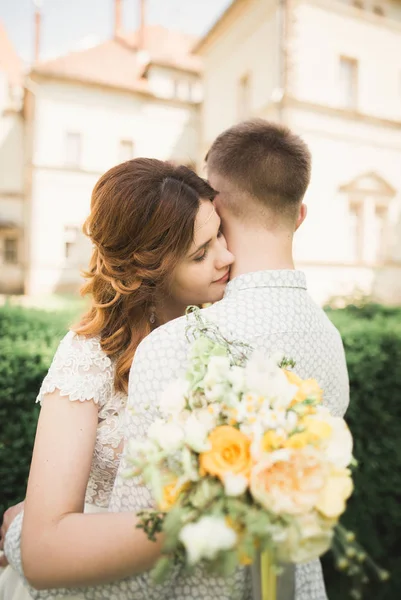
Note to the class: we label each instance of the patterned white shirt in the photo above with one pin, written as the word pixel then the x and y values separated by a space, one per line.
pixel 271 311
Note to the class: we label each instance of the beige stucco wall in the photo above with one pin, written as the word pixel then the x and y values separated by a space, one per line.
pixel 345 145
pixel 11 187
pixel 60 196
pixel 321 35
pixel 246 46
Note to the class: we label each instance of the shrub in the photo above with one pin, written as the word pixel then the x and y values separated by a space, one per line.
pixel 372 341
pixel 28 339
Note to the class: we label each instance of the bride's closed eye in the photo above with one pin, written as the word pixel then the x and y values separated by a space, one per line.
pixel 206 249
pixel 203 256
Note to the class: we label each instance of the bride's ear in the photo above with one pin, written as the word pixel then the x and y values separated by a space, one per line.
pixel 303 210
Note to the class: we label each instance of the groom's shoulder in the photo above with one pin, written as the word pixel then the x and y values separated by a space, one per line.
pixel 172 333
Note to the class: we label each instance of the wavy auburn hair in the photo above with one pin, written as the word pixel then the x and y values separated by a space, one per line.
pixel 141 224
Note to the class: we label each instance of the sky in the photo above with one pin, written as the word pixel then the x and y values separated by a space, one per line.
pixel 73 24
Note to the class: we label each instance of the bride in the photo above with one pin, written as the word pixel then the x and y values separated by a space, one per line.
pixel 157 248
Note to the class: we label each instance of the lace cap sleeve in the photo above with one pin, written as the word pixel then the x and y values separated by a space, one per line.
pixel 80 370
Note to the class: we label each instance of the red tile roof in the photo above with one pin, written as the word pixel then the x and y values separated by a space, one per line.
pixel 167 47
pixel 116 62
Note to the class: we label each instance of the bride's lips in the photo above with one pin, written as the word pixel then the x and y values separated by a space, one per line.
pixel 223 279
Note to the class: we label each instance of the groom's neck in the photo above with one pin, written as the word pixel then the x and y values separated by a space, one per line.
pixel 260 251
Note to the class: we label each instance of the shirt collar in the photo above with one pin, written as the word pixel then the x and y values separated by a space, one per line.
pixel 272 279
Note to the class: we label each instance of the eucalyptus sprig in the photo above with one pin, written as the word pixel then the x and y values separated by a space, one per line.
pixel 238 351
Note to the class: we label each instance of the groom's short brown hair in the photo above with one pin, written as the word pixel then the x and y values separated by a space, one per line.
pixel 265 160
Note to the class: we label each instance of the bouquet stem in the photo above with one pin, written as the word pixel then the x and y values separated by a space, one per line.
pixel 268 576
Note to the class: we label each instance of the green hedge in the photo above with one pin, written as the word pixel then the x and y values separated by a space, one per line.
pixel 372 339
pixel 28 339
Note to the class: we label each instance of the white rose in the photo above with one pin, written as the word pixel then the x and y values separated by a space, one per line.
pixel 281 390
pixel 208 415
pixel 236 377
pixel 235 485
pixel 256 375
pixel 169 436
pixel 216 392
pixel 217 370
pixel 172 400
pixel 196 434
pixel 206 537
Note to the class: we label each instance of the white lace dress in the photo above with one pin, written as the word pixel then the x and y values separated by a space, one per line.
pixel 81 371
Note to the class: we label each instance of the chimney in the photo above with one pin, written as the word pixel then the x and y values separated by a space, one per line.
pixel 118 17
pixel 141 28
pixel 38 25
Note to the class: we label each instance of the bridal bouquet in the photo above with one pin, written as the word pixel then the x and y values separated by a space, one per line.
pixel 245 461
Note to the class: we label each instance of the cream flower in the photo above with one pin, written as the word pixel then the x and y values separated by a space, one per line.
pixel 172 400
pixel 235 485
pixel 196 433
pixel 336 491
pixel 169 436
pixel 288 481
pixel 307 538
pixel 206 537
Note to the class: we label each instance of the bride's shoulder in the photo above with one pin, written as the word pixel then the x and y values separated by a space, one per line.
pixel 83 350
pixel 80 369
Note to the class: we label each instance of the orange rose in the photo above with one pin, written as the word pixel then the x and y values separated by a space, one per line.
pixel 230 452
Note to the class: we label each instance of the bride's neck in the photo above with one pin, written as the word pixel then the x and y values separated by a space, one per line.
pixel 165 313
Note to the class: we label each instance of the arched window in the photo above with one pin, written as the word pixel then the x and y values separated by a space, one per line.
pixel 369 197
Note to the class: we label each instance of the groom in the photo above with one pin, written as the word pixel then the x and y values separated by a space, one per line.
pixel 261 172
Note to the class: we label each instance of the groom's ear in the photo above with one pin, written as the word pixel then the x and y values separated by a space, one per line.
pixel 303 211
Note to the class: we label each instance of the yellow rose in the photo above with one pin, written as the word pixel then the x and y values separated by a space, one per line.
pixel 307 388
pixel 335 493
pixel 171 493
pixel 316 431
pixel 288 481
pixel 229 452
pixel 272 441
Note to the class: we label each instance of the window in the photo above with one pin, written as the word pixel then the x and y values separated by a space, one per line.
pixel 70 240
pixel 348 82
pixel 368 220
pixel 356 230
pixel 73 149
pixel 11 250
pixel 380 232
pixel 244 98
pixel 126 150
pixel 182 89
pixel 370 227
